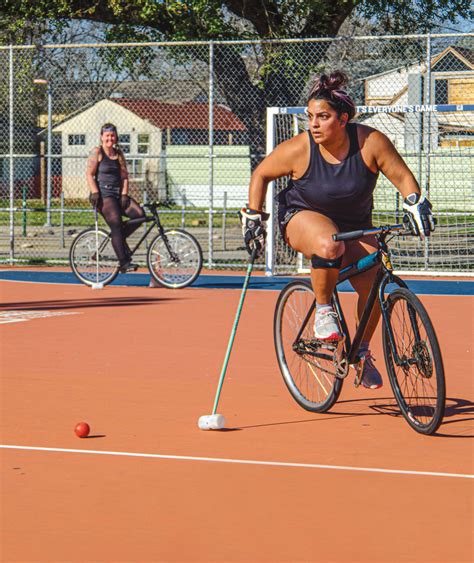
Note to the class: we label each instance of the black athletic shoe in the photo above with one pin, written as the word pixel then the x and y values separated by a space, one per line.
pixel 128 267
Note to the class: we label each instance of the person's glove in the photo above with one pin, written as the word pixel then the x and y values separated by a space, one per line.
pixel 124 201
pixel 418 217
pixel 94 198
pixel 254 229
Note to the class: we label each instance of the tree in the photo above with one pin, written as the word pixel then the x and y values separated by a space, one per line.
pixel 267 73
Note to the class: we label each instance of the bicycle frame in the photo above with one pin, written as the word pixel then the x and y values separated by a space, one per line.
pixel 154 220
pixel 383 277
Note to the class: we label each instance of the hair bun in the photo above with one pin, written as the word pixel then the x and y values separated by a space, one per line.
pixel 324 83
pixel 337 80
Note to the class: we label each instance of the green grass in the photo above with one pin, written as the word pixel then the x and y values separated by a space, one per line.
pixel 81 216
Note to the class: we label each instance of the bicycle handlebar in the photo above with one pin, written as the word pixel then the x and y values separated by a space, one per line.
pixel 353 235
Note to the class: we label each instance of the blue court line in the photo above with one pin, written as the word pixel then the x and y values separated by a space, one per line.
pixel 421 287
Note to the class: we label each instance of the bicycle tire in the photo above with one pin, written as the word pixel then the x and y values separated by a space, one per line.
pixel 82 258
pixel 419 387
pixel 306 379
pixel 180 270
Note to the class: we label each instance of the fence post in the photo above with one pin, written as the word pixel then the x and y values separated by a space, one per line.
pixel 62 218
pixel 23 205
pixel 49 94
pixel 211 153
pixel 224 214
pixel 145 201
pixel 427 138
pixel 12 186
pixel 183 209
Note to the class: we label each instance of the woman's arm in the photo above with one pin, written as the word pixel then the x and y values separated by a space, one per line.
pixel 280 162
pixel 392 165
pixel 92 164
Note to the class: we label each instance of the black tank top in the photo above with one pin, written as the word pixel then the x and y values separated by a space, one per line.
pixel 343 192
pixel 108 171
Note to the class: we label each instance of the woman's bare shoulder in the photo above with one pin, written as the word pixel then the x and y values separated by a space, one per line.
pixel 371 138
pixel 294 145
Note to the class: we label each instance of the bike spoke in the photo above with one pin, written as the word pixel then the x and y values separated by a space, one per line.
pixel 311 379
pixel 418 385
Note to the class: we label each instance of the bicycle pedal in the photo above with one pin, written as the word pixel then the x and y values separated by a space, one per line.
pixel 326 344
pixel 359 369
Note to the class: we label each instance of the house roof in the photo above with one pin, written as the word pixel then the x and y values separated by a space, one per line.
pixel 188 115
pixel 461 52
pixel 467 53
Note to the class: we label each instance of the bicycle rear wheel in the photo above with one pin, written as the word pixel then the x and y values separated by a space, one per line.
pixel 83 258
pixel 175 260
pixel 308 373
pixel 417 379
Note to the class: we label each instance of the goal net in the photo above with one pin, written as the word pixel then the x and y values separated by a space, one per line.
pixel 437 143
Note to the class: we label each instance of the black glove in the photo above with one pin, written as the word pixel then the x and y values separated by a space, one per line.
pixel 94 198
pixel 124 201
pixel 254 229
pixel 418 218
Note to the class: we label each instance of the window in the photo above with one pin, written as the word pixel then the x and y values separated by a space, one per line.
pixel 179 137
pixel 135 166
pixel 143 144
pixel 124 142
pixel 441 91
pixel 74 140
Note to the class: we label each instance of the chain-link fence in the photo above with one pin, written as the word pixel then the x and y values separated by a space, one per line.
pixel 191 119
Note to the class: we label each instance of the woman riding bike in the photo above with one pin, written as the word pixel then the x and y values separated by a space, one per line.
pixel 333 168
pixel 107 177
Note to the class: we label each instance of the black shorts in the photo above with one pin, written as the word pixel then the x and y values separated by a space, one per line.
pixel 110 191
pixel 286 213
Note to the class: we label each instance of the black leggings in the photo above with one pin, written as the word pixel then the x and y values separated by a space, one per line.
pixel 112 212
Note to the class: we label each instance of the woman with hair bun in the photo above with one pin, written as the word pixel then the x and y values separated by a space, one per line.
pixel 107 177
pixel 333 169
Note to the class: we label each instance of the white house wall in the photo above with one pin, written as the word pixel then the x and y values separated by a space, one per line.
pixel 88 123
pixel 392 127
pixel 386 86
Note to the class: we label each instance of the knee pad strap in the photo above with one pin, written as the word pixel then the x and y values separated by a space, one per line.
pixel 318 262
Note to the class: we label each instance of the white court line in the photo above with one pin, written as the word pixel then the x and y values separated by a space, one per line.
pixel 24 315
pixel 242 461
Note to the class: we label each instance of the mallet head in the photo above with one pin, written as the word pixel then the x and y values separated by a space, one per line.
pixel 211 422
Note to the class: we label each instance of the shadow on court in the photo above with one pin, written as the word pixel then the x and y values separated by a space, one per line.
pixel 338 413
pixel 84 303
pixel 458 411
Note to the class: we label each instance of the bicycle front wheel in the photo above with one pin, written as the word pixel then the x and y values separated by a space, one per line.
pixel 309 373
pixel 92 258
pixel 175 259
pixel 414 362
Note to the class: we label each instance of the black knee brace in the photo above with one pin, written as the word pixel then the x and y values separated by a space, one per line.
pixel 318 262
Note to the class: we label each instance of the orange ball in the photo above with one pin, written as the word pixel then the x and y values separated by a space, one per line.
pixel 82 429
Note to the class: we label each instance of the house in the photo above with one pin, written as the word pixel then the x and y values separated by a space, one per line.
pixel 148 129
pixel 452 80
pixel 436 145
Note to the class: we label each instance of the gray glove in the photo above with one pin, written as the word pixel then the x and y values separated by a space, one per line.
pixel 418 215
pixel 254 229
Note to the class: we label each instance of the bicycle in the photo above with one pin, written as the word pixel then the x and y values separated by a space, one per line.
pixel 314 370
pixel 174 257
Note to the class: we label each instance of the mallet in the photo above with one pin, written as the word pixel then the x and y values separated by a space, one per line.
pixel 217 421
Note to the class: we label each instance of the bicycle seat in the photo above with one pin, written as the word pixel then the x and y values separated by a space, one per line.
pixel 154 205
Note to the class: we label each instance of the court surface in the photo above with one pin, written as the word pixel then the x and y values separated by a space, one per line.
pixel 140 365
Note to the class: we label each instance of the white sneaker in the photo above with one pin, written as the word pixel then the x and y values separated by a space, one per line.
pixel 326 326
